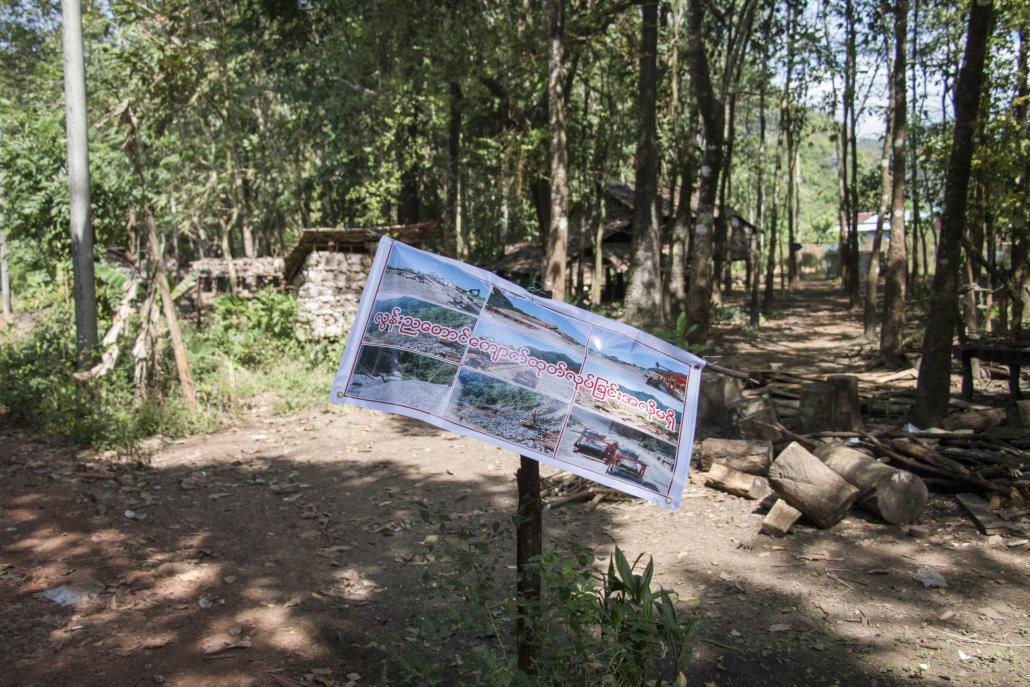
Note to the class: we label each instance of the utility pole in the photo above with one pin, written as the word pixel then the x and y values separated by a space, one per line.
pixel 84 288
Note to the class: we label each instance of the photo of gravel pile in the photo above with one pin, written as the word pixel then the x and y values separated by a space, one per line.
pixel 537 321
pixel 402 377
pixel 507 411
pixel 411 271
pixel 451 351
pixel 562 389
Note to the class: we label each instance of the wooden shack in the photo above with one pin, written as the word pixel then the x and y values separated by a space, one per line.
pixel 327 269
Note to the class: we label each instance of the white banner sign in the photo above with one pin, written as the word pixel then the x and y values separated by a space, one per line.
pixel 462 349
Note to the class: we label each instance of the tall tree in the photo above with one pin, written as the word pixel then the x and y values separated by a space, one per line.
pixel 558 230
pixel 933 386
pixel 84 287
pixel 869 319
pixel 1020 248
pixel 644 292
pixel 893 329
pixel 6 307
pixel 710 107
pixel 699 294
pixel 454 244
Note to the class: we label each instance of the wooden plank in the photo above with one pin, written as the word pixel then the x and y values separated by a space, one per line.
pixel 983 517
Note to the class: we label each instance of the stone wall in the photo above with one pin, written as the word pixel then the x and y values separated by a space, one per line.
pixel 328 287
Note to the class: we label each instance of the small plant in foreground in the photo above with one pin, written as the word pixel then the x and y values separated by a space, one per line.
pixel 594 628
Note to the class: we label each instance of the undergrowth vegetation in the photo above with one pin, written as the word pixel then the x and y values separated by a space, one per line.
pixel 595 627
pixel 244 356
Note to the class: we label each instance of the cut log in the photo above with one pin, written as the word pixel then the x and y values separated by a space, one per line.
pixel 752 456
pixel 817 409
pixel 737 483
pixel 755 418
pixel 810 486
pixel 976 419
pixel 896 496
pixel 847 413
pixel 780 518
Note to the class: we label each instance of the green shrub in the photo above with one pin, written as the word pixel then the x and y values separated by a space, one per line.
pixel 247 357
pixel 594 628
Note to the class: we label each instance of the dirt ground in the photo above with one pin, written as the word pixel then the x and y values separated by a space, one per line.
pixel 287 547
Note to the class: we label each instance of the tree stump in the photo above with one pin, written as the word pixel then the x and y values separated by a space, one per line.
pixel 718 393
pixel 737 483
pixel 806 483
pixel 780 518
pixel 817 408
pixel 752 456
pixel 896 496
pixel 755 418
pixel 847 415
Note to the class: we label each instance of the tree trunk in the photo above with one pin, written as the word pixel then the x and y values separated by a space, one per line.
pixel 722 266
pixel 893 329
pixel 558 218
pixel 842 208
pixel 680 249
pixel 1020 267
pixel 773 234
pixel 452 240
pixel 699 293
pixel 914 150
pixel 873 272
pixel 84 286
pixel 644 292
pixel 754 305
pixel 851 145
pixel 597 285
pixel 933 387
pixel 6 305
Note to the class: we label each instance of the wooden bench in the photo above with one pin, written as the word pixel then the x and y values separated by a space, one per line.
pixel 1014 354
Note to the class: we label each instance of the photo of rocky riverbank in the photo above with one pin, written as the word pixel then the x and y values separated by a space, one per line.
pixel 402 377
pixel 506 411
pixel 427 344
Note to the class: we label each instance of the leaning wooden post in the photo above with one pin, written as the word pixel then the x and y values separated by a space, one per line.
pixel 528 543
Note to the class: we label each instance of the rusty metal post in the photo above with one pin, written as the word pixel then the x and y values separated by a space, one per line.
pixel 528 543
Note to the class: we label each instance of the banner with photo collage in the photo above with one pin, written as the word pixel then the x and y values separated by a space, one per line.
pixel 462 349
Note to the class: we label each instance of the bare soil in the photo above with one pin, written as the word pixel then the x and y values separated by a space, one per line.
pixel 287 546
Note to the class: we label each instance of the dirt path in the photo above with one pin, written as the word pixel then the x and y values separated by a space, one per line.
pixel 290 546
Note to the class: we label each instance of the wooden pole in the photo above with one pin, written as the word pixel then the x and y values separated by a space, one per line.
pixel 84 287
pixel 528 543
pixel 529 525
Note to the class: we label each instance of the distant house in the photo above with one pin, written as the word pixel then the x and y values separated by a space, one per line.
pixel 327 269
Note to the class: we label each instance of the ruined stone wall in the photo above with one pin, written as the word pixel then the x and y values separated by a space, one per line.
pixel 328 287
